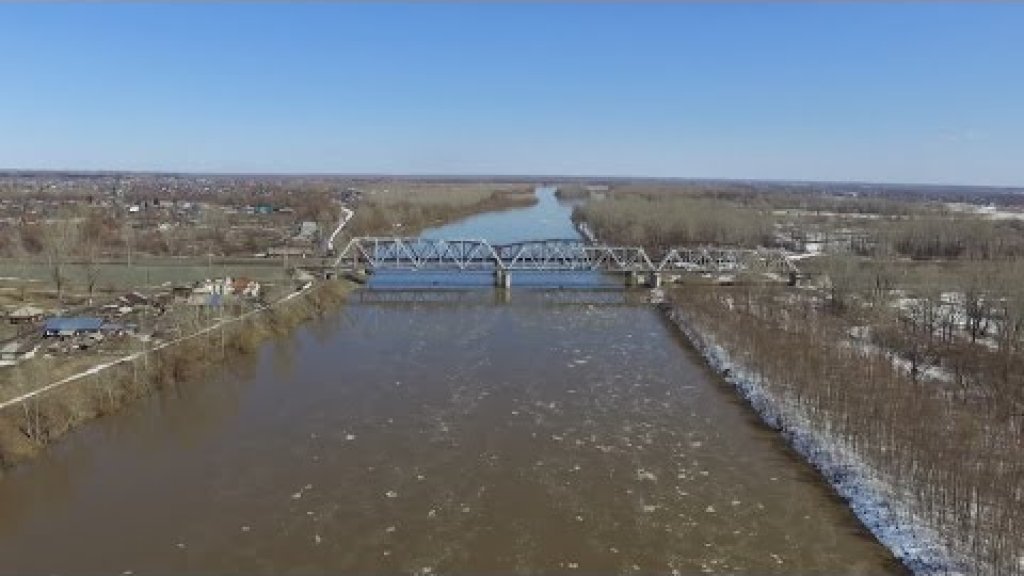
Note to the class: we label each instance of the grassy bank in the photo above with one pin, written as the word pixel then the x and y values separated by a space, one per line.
pixel 28 427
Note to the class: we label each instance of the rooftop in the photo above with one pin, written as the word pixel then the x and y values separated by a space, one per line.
pixel 72 324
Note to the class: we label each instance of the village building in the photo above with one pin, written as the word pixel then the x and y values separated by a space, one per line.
pixel 69 326
pixel 15 351
pixel 25 315
pixel 307 231
pixel 246 287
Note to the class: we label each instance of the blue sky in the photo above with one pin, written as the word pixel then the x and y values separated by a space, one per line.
pixel 905 92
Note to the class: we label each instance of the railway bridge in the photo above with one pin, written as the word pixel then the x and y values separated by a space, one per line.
pixel 371 254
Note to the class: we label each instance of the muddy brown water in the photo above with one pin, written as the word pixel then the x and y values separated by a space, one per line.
pixel 439 437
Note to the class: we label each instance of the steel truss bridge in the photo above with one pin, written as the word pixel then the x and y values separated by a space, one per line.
pixel 559 255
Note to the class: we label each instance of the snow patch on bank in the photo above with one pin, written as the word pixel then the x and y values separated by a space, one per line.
pixel 874 501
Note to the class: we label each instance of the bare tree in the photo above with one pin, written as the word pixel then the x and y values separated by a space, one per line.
pixel 90 264
pixel 59 239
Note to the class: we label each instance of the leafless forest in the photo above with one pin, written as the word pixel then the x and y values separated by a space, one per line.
pixel 904 343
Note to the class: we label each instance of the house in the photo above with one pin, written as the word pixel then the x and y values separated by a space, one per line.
pixel 66 326
pixel 14 351
pixel 246 287
pixel 206 299
pixel 25 315
pixel 181 293
pixel 215 286
pixel 117 329
pixel 134 299
pixel 307 231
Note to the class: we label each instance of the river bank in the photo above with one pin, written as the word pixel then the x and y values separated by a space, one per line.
pixel 29 423
pixel 878 502
pixel 895 370
pixel 28 426
pixel 496 435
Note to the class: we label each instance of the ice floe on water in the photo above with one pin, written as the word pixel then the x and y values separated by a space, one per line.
pixel 642 474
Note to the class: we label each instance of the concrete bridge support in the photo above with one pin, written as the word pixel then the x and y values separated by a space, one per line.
pixel 502 296
pixel 654 280
pixel 503 279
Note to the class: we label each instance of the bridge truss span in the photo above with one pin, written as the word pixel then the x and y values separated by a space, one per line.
pixel 417 254
pixel 710 259
pixel 554 255
pixel 572 255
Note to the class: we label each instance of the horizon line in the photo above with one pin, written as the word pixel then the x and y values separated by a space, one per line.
pixel 498 177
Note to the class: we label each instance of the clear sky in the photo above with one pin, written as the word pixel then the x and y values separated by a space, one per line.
pixel 880 92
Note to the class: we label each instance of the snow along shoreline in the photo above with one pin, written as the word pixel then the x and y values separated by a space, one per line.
pixel 872 500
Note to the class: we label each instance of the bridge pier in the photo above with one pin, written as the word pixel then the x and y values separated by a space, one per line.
pixel 503 279
pixel 648 279
pixel 502 296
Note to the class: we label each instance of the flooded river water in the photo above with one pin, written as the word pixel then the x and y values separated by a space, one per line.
pixel 535 435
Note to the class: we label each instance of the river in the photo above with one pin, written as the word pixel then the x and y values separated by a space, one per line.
pixel 481 435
